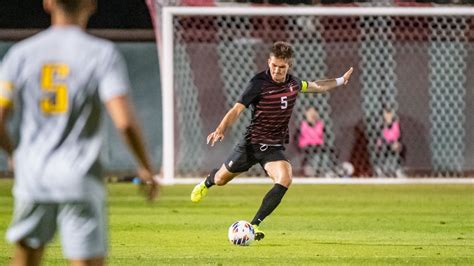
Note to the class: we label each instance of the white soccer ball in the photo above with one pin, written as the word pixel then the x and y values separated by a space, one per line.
pixel 241 233
pixel 348 169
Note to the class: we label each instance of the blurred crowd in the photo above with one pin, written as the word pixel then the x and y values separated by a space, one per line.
pixel 373 2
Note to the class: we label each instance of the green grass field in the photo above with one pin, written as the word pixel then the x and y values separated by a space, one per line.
pixel 315 224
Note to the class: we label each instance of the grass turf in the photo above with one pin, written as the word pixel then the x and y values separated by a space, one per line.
pixel 315 224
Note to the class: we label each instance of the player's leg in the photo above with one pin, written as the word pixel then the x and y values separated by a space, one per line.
pixel 83 228
pixel 25 255
pixel 223 176
pixel 281 173
pixel 238 162
pixel 88 262
pixel 32 227
pixel 216 177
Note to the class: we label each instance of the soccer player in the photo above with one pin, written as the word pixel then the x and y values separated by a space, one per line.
pixel 272 95
pixel 60 78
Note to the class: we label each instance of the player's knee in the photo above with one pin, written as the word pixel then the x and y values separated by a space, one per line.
pixel 284 181
pixel 220 179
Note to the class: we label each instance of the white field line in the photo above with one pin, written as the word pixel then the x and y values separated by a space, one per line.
pixel 352 181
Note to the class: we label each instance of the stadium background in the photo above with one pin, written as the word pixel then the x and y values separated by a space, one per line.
pixel 27 17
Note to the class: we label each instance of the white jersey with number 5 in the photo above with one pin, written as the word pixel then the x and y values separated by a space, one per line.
pixel 60 77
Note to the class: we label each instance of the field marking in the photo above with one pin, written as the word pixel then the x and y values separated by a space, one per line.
pixel 352 181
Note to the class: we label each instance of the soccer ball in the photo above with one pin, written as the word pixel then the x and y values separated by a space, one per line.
pixel 241 233
pixel 348 169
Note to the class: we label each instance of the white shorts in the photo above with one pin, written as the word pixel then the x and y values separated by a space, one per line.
pixel 82 226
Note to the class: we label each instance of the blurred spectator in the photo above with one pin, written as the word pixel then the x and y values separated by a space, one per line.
pixel 390 151
pixel 318 158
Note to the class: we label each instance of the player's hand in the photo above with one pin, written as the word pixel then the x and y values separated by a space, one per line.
pixel 347 75
pixel 215 136
pixel 148 185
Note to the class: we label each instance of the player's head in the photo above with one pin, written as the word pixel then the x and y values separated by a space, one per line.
pixel 311 114
pixel 76 11
pixel 388 113
pixel 280 60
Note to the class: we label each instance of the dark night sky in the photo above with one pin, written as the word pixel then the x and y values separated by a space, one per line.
pixel 116 14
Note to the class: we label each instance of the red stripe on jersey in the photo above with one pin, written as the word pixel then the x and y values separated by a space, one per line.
pixel 276 116
pixel 276 101
pixel 279 95
pixel 276 104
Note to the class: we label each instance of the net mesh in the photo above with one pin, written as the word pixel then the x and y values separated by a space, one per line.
pixel 404 112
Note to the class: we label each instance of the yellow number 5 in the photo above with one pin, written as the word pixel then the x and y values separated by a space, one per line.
pixel 54 99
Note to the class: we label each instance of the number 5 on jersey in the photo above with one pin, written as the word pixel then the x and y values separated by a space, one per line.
pixel 54 99
pixel 284 102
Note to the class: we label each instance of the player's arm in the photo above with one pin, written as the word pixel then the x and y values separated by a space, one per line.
pixel 124 119
pixel 5 142
pixel 113 91
pixel 228 120
pixel 329 84
pixel 9 69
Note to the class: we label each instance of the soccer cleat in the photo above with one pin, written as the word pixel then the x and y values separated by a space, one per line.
pixel 259 234
pixel 199 191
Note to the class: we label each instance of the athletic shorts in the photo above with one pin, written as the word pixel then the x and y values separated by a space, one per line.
pixel 82 226
pixel 246 155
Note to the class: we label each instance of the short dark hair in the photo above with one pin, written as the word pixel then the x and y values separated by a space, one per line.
pixel 282 50
pixel 70 6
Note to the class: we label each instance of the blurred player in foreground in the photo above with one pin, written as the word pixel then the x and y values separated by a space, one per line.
pixel 61 77
pixel 272 95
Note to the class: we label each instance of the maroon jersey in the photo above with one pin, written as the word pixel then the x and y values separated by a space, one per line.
pixel 272 105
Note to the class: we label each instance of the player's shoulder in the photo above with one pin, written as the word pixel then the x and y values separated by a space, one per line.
pixel 99 42
pixel 26 45
pixel 255 83
pixel 23 49
pixel 101 48
pixel 292 77
pixel 263 75
pixel 294 80
pixel 69 36
pixel 32 42
pixel 259 77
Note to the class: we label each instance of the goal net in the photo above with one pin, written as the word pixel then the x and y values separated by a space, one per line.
pixel 407 109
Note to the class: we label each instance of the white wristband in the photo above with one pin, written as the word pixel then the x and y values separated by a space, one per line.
pixel 340 81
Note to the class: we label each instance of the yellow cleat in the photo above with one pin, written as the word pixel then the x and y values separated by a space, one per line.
pixel 259 234
pixel 199 191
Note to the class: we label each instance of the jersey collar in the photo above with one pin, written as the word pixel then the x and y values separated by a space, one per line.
pixel 269 77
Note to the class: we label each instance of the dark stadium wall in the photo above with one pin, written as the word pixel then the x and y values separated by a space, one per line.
pixel 124 14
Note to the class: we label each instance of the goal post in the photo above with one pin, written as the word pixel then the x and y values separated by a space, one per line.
pixel 209 53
